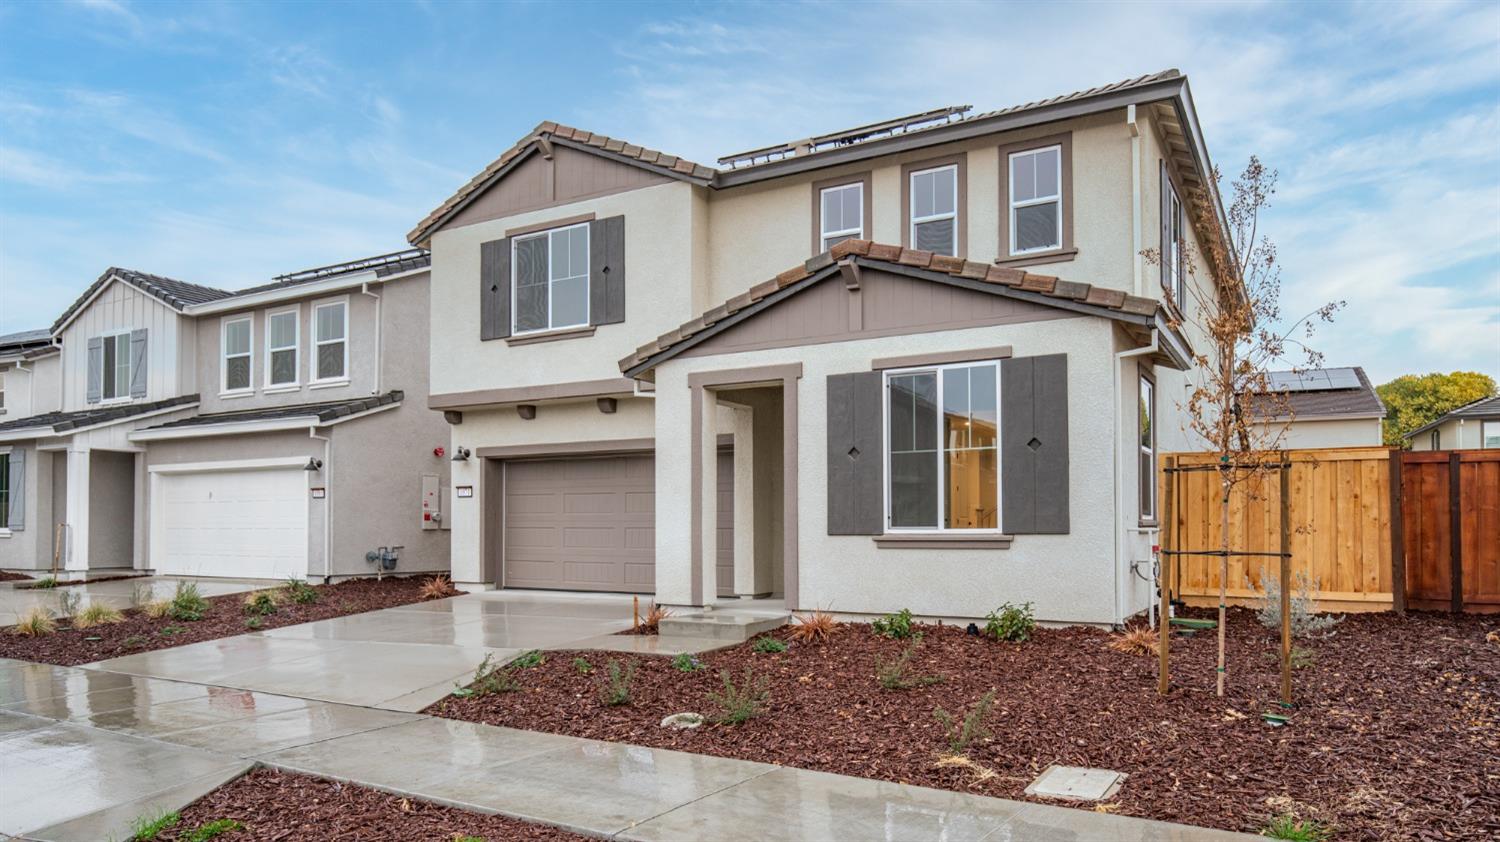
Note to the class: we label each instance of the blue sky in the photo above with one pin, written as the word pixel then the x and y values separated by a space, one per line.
pixel 226 143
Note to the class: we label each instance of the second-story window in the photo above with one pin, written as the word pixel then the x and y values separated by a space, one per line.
pixel 843 214
pixel 1172 273
pixel 550 279
pixel 281 348
pixel 934 210
pixel 235 367
pixel 1036 200
pixel 331 341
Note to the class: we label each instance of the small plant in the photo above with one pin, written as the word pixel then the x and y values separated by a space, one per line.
pixel 653 618
pixel 46 583
pixel 68 602
pixel 97 614
pixel 188 605
pixel 582 665
pixel 300 591
pixel 743 702
pixel 490 679
pixel 616 687
pixel 896 674
pixel 1135 640
pixel 36 622
pixel 1301 658
pixel 212 830
pixel 147 828
pixel 437 587
pixel 962 734
pixel 816 627
pixel 1293 829
pixel 767 646
pixel 1011 623
pixel 260 603
pixel 140 594
pixel 157 608
pixel 135 641
pixel 532 658
pixel 168 631
pixel 253 623
pixel 684 662
pixel 1306 621
pixel 897 626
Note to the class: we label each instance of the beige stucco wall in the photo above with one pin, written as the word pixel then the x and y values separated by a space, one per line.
pixel 32 387
pixel 1069 578
pixel 1457 434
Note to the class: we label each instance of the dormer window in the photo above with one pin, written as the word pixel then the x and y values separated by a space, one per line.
pixel 550 280
pixel 234 369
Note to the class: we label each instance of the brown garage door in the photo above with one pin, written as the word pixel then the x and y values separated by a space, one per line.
pixel 581 524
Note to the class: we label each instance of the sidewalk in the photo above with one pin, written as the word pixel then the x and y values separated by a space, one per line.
pixel 83 752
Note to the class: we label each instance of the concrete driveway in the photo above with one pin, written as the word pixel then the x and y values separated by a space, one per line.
pixel 400 659
pixel 118 593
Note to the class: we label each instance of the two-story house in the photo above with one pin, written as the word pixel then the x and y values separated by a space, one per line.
pixel 924 363
pixel 30 384
pixel 278 431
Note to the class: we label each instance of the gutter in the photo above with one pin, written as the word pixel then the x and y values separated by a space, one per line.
pixel 364 289
pixel 234 428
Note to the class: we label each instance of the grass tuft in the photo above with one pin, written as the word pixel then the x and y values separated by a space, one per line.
pixel 36 622
pixel 437 587
pixel 816 627
pixel 150 827
pixel 767 645
pixel 97 614
pixel 157 608
pixel 260 603
pixel 615 690
pixel 653 618
pixel 1293 829
pixel 211 830
pixel 743 702
pixel 896 674
pixel 300 591
pixel 1135 640
pixel 961 734
pixel 187 604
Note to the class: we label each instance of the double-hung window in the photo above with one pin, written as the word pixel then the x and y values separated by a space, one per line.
pixel 934 210
pixel 1172 269
pixel 1036 211
pixel 942 442
pixel 116 369
pixel 234 369
pixel 6 491
pixel 550 280
pixel 330 341
pixel 281 348
pixel 843 214
pixel 1148 449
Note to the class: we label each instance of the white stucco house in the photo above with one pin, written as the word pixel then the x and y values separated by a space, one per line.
pixel 923 363
pixel 1475 425
pixel 1325 407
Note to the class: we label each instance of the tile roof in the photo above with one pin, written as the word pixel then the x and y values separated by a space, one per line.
pixel 175 294
pixel 1311 404
pixel 323 412
pixel 25 341
pixel 64 422
pixel 660 161
pixel 880 255
pixel 1486 408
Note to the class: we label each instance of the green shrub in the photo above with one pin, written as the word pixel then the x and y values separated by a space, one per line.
pixel 253 623
pixel 1297 830
pixel 148 828
pixel 187 604
pixel 532 658
pixel 962 734
pixel 767 645
pixel 582 665
pixel 46 583
pixel 300 592
pixel 684 662
pixel 261 603
pixel 896 674
pixel 1011 623
pixel 743 702
pixel 897 626
pixel 616 687
pixel 490 679
pixel 168 631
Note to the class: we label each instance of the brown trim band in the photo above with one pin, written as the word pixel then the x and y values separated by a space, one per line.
pixel 742 376
pixel 549 225
pixel 960 162
pixel 576 389
pixel 603 447
pixel 1064 140
pixel 550 336
pixel 943 542
pixel 1001 352
pixel 867 215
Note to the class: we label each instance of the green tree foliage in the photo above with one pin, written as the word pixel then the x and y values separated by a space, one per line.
pixel 1412 400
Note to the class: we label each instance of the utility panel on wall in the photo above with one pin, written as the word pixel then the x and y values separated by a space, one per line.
pixel 432 506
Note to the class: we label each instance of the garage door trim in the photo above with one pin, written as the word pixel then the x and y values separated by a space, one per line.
pixel 238 465
pixel 156 524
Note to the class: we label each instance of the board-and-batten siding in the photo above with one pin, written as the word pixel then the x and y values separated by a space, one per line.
pixel 121 307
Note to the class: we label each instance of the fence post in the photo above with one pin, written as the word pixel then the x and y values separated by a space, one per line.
pixel 1455 533
pixel 1286 581
pixel 1168 563
pixel 1398 536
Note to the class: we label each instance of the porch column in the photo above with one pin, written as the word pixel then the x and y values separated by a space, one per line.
pixel 744 501
pixel 705 480
pixel 76 537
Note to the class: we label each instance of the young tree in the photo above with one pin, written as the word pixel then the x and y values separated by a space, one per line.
pixel 1232 311
pixel 1412 400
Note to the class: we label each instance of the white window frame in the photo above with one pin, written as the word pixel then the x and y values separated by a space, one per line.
pixel 1147 396
pixel 942 475
pixel 1435 439
pixel 313 380
pixel 1483 436
pixel 1176 230
pixel 2 393
pixel 5 500
pixel 114 336
pixel 1010 179
pixel 911 209
pixel 857 232
pixel 588 314
pixel 248 354
pixel 296 348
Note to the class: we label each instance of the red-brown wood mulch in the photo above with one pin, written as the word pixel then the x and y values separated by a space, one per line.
pixel 1396 736
pixel 286 807
pixel 7 576
pixel 139 633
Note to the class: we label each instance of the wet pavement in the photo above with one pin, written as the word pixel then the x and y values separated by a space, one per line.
pixel 117 593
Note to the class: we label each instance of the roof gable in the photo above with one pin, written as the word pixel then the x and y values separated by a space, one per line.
pixel 1484 409
pixel 1311 401
pixel 173 293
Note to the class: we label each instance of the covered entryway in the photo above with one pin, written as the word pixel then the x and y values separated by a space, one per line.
pixel 245 522
pixel 581 524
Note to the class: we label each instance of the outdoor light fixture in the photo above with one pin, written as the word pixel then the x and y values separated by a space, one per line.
pixel 314 464
pixel 460 454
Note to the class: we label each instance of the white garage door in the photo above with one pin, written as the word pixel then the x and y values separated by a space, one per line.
pixel 242 523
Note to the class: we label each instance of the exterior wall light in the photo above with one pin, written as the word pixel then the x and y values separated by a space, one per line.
pixel 460 454
pixel 314 464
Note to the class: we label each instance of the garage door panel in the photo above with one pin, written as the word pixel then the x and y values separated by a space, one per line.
pixel 640 503
pixel 247 523
pixel 597 503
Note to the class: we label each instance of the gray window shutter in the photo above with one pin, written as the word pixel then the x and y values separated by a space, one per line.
pixel 607 271
pixel 17 491
pixel 1166 226
pixel 96 370
pixel 494 289
pixel 856 494
pixel 138 363
pixel 1034 445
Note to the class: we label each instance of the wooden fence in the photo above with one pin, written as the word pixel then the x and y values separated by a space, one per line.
pixel 1355 539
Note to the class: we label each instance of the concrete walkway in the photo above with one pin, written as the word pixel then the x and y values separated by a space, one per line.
pixel 117 593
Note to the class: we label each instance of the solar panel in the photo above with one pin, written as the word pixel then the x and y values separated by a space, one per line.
pixel 1315 380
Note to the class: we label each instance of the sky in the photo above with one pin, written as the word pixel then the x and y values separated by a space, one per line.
pixel 228 143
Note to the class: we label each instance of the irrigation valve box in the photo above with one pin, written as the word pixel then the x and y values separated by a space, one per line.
pixel 432 505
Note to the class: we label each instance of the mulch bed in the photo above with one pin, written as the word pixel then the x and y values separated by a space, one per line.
pixel 1396 734
pixel 7 576
pixel 139 633
pixel 284 806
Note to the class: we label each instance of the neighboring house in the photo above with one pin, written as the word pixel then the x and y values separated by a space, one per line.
pixel 922 364
pixel 1326 407
pixel 30 384
pixel 1472 426
pixel 271 432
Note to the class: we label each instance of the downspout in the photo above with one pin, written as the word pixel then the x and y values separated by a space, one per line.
pixel 312 433
pixel 1121 549
pixel 364 289
pixel 62 377
pixel 30 386
pixel 1135 197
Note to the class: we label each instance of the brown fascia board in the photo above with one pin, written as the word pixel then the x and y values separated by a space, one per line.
pixel 573 390
pixel 660 169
